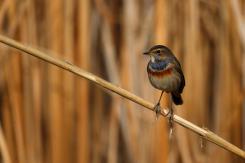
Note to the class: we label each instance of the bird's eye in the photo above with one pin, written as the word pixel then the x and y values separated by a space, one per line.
pixel 158 51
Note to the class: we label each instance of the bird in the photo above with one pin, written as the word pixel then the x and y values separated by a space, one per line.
pixel 165 74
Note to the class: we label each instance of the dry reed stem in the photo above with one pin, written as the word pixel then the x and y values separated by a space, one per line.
pixel 205 133
pixel 160 37
pixel 113 73
pixel 83 48
pixel 4 147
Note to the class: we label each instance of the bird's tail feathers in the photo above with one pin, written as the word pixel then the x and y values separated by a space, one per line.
pixel 177 99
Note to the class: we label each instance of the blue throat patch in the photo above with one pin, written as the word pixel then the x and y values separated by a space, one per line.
pixel 159 65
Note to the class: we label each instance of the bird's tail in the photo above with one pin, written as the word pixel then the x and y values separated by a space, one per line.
pixel 177 99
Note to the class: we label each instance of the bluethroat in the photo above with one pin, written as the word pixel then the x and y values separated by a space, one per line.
pixel 165 73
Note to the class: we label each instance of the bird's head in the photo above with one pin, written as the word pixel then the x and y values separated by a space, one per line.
pixel 158 53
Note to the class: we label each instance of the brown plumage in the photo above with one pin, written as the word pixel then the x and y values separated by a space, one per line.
pixel 165 72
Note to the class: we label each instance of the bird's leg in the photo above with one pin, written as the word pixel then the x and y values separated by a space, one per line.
pixel 170 120
pixel 157 107
pixel 160 97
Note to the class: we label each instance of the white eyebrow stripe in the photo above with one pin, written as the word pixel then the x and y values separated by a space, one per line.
pixel 152 59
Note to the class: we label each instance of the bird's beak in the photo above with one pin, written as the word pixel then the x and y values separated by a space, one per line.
pixel 146 53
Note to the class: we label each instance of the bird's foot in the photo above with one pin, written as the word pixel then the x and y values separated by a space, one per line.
pixel 157 109
pixel 169 114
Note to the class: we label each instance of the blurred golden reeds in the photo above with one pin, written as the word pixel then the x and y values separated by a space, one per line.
pixel 49 115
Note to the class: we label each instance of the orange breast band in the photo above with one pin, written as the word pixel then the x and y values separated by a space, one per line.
pixel 160 73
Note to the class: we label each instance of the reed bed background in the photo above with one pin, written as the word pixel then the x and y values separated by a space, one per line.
pixel 49 115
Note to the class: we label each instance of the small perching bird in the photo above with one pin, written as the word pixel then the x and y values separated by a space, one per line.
pixel 165 73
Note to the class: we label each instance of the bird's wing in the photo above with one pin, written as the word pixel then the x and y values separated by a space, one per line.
pixel 182 77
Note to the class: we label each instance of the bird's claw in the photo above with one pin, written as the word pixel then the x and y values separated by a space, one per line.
pixel 169 114
pixel 157 109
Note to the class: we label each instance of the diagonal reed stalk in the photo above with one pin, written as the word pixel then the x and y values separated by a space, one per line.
pixel 205 133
